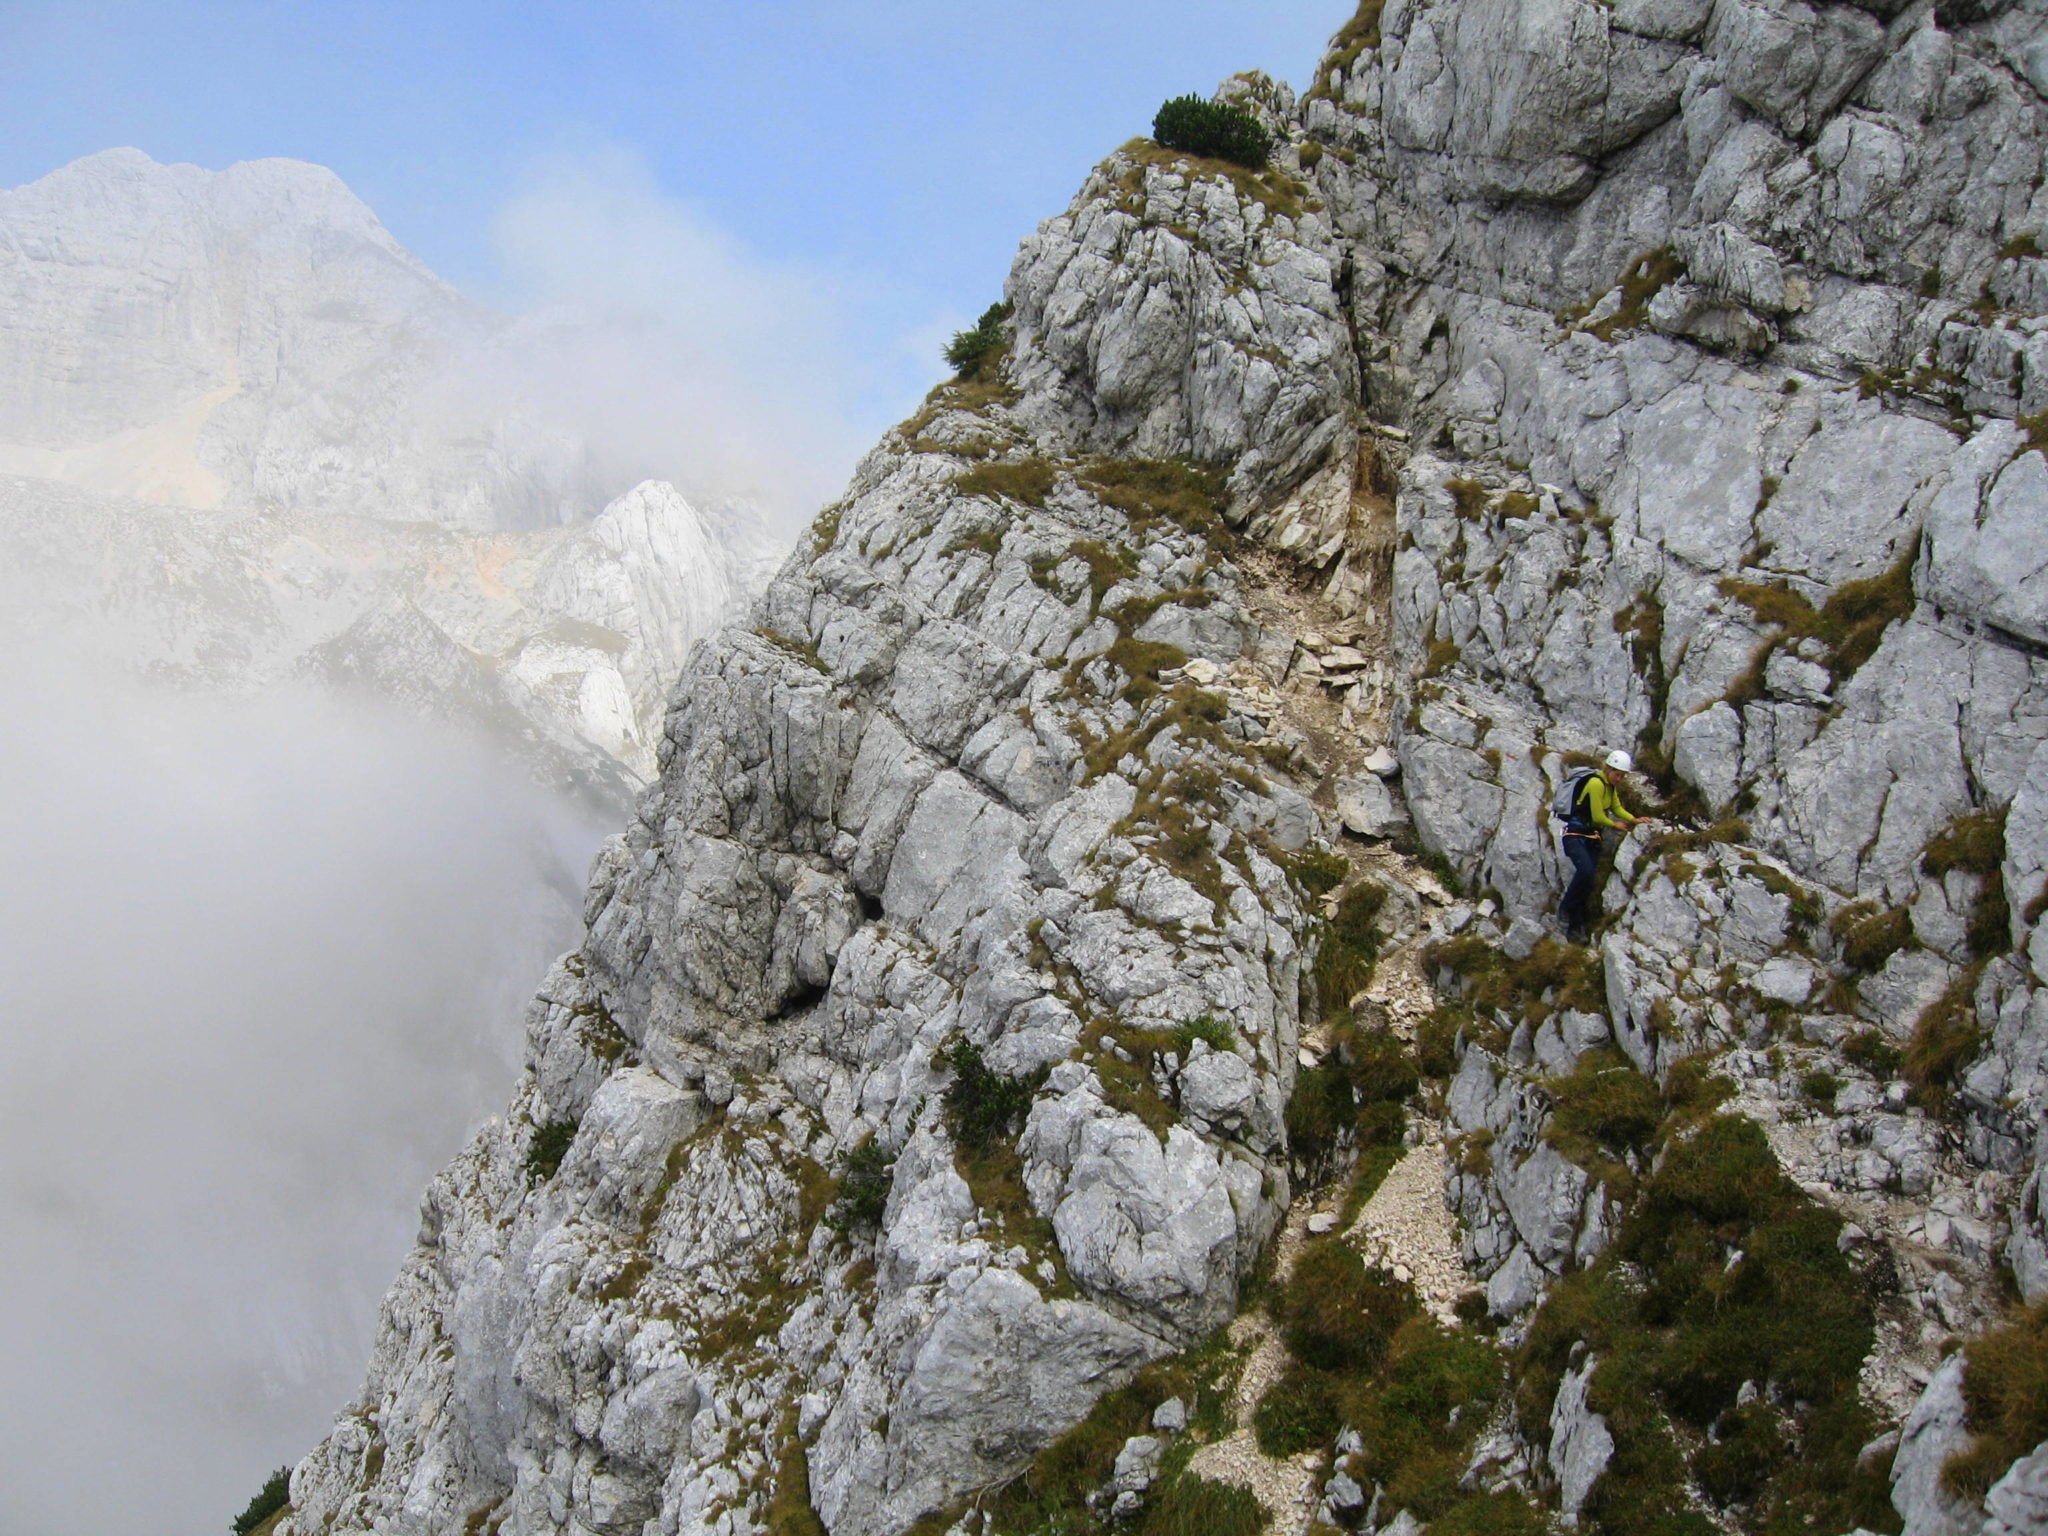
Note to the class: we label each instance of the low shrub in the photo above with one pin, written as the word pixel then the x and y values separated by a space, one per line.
pixel 1351 946
pixel 274 1495
pixel 790 1512
pixel 1321 1110
pixel 1436 1042
pixel 1150 491
pixel 971 351
pixel 1870 1050
pixel 1338 1314
pixel 1725 1272
pixel 1506 1513
pixel 1946 1038
pixel 1851 623
pixel 1606 1100
pixel 1214 129
pixel 1869 936
pixel 1973 842
pixel 1218 1035
pixel 548 1146
pixel 1355 1095
pixel 1317 872
pixel 1602 1112
pixel 1421 1414
pixel 1187 1504
pixel 1028 481
pixel 864 1178
pixel 1821 1087
pixel 1975 845
pixel 982 1105
pixel 1298 1413
pixel 1552 976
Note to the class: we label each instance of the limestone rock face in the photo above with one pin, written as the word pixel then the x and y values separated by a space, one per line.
pixel 892 815
pixel 1653 375
pixel 250 338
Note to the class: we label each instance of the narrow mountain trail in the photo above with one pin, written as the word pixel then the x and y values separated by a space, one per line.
pixel 1330 699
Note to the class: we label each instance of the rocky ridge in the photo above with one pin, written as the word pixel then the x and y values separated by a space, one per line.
pixel 1579 375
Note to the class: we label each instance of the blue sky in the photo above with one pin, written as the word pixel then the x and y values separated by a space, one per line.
pixel 883 158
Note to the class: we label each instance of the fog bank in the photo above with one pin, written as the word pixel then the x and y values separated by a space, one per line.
pixel 262 964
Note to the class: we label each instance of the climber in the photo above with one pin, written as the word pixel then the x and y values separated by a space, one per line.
pixel 1588 803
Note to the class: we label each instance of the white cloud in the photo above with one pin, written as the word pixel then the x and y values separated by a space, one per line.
pixel 673 348
pixel 260 962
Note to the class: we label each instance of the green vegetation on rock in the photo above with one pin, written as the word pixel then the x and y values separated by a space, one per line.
pixel 1216 130
pixel 971 353
pixel 548 1146
pixel 271 1498
pixel 1729 1330
pixel 2005 1401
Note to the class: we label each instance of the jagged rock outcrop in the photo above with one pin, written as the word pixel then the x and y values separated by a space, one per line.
pixel 558 643
pixel 1644 375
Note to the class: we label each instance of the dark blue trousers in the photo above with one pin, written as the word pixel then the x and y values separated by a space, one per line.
pixel 1584 854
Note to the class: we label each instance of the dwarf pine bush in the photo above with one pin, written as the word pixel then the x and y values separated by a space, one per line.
pixel 274 1495
pixel 1215 129
pixel 970 351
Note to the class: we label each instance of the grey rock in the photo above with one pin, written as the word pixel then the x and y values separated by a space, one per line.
pixel 2018 1501
pixel 1171 1416
pixel 1933 1432
pixel 1581 1445
pixel 1469 266
pixel 1342 1493
pixel 1137 1464
pixel 1368 807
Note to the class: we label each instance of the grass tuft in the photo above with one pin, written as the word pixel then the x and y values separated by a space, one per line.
pixel 546 1149
pixel 1028 481
pixel 2005 1401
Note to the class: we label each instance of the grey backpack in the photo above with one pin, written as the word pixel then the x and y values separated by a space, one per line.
pixel 1564 805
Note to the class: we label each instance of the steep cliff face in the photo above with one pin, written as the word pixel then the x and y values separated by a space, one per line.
pixel 1578 376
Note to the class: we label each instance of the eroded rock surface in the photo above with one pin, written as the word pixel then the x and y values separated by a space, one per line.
pixel 1645 375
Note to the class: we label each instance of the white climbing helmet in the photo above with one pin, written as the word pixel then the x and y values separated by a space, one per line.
pixel 1620 760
